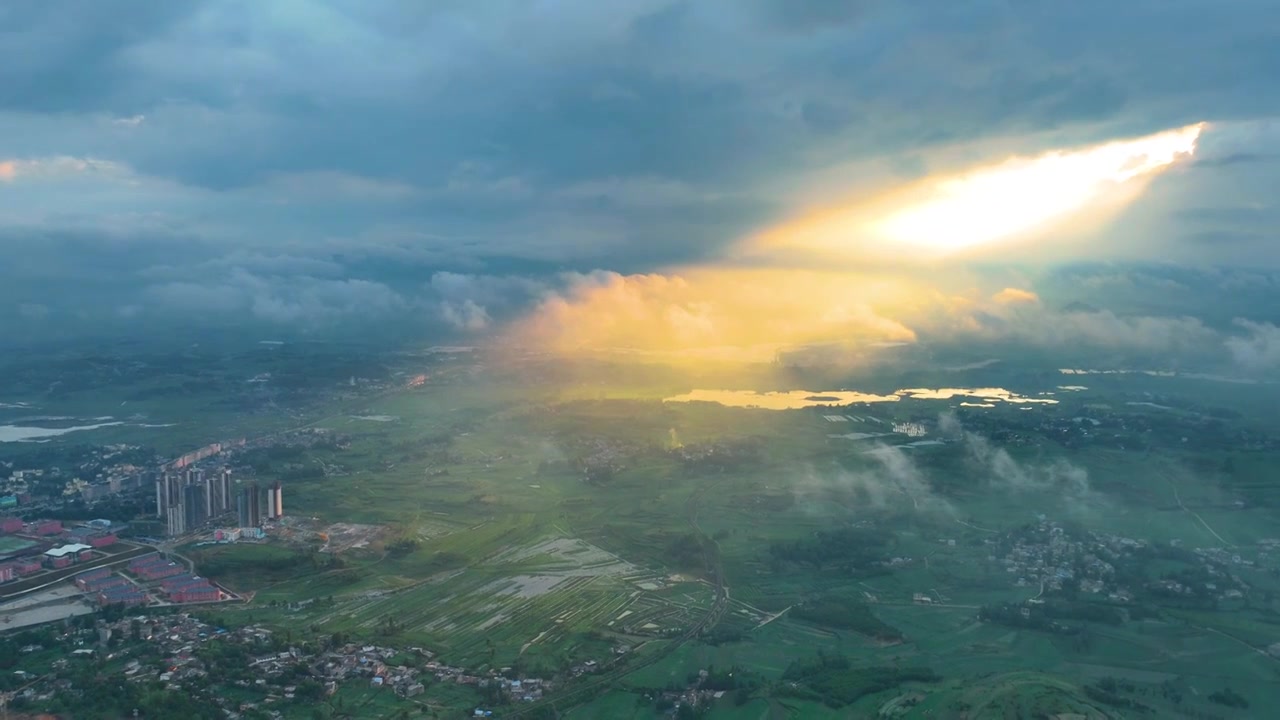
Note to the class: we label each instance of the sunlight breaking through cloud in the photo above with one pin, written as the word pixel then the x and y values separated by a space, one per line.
pixel 1022 194
pixel 803 295
pixel 1013 199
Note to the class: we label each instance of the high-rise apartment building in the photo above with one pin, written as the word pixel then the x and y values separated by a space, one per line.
pixel 249 506
pixel 193 506
pixel 186 500
pixel 226 491
pixel 207 487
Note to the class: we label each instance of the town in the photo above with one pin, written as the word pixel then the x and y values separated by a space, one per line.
pixel 190 503
pixel 265 670
pixel 54 568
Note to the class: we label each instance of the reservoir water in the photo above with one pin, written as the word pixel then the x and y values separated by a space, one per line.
pixel 795 399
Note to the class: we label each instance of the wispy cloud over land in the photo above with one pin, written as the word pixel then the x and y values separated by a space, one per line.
pixel 1258 348
pixel 1000 472
pixel 891 480
pixel 896 479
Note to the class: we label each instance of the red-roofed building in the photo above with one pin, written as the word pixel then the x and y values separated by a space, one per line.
pixel 47 527
pixel 155 572
pixel 198 594
pixel 95 574
pixel 100 583
pixel 122 595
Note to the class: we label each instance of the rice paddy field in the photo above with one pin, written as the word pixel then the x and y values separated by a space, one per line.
pixel 512 607
pixel 546 602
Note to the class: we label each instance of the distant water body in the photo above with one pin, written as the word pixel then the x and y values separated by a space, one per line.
pixel 1168 374
pixel 26 433
pixel 795 399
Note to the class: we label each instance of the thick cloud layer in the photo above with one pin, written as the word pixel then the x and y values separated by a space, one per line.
pixel 302 163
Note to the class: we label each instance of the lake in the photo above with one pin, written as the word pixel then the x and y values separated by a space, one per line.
pixel 25 433
pixel 796 399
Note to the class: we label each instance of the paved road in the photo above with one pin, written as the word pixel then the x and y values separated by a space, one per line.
pixel 40 582
pixel 1196 515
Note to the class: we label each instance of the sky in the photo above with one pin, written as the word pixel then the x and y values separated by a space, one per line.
pixel 454 168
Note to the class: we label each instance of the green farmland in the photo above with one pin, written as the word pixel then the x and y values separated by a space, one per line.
pixel 543 528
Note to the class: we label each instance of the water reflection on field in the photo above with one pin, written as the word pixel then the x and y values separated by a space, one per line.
pixel 795 399
pixel 789 400
pixel 990 394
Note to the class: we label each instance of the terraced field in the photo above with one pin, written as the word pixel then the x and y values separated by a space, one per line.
pixel 554 593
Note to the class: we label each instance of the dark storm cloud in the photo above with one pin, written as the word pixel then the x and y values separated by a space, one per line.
pixel 383 142
pixel 68 56
pixel 234 92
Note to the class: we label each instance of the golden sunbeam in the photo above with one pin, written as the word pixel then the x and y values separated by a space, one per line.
pixel 1013 199
pixel 1023 195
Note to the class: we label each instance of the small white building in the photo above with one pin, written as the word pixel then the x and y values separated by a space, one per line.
pixel 65 550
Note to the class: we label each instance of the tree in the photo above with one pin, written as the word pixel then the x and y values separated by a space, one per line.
pixel 309 691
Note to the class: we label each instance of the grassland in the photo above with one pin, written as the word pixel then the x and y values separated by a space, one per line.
pixel 10 545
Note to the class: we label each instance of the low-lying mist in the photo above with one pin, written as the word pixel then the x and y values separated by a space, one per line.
pixel 894 479
pixel 999 470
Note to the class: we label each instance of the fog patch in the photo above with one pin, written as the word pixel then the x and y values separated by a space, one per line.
pixel 893 481
pixel 1004 473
